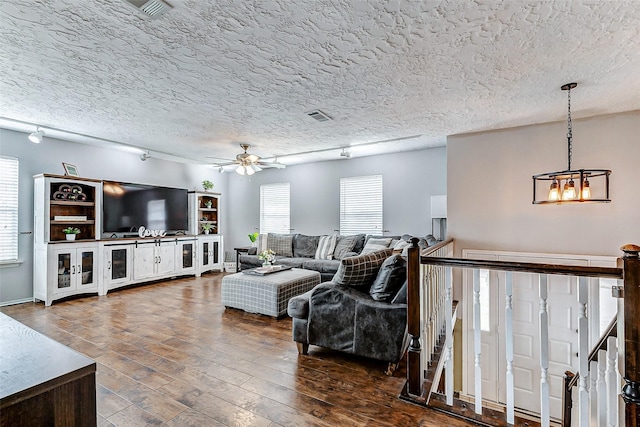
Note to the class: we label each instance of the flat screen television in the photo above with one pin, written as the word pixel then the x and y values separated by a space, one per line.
pixel 127 206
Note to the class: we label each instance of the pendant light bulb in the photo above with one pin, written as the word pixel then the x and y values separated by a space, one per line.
pixel 569 191
pixel 586 190
pixel 554 191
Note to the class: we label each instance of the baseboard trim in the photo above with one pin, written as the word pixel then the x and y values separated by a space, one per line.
pixel 14 302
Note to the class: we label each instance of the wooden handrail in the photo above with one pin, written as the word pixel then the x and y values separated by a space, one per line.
pixel 611 331
pixel 526 267
pixel 434 248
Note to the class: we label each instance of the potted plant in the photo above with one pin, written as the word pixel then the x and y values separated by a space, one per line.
pixel 267 257
pixel 207 227
pixel 208 204
pixel 71 232
pixel 207 185
pixel 253 237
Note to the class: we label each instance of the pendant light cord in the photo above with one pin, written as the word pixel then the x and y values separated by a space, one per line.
pixel 569 129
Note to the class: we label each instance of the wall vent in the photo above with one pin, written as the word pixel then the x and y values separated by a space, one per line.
pixel 319 116
pixel 151 8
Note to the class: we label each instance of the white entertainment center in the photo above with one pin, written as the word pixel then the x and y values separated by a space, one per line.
pixel 94 263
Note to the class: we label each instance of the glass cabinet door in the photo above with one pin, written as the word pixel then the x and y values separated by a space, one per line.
pixel 65 269
pixel 87 266
pixel 187 255
pixel 205 253
pixel 119 264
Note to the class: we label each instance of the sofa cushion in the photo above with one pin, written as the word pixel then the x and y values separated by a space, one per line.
pixel 431 240
pixel 359 271
pixel 281 244
pixel 326 246
pixel 305 246
pixel 292 262
pixel 374 245
pixel 321 265
pixel 344 245
pixel 391 276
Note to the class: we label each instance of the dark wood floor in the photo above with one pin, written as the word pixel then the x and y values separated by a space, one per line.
pixel 170 354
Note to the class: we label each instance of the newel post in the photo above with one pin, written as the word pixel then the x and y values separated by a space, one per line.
pixel 630 263
pixel 414 359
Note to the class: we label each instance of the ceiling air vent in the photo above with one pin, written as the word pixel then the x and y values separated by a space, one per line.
pixel 319 116
pixel 151 8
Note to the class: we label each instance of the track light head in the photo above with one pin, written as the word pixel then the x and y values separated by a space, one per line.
pixel 36 137
pixel 144 156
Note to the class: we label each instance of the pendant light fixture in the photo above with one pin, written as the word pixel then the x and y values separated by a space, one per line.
pixel 571 185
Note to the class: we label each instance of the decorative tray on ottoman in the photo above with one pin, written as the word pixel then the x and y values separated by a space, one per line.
pixel 261 271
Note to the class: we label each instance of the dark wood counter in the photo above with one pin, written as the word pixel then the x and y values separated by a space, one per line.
pixel 42 382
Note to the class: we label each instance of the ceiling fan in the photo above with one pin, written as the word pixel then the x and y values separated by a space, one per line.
pixel 248 164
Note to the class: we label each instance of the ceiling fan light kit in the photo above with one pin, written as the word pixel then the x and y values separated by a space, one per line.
pixel 248 164
pixel 571 185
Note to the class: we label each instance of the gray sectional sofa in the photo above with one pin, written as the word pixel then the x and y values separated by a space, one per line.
pixel 299 250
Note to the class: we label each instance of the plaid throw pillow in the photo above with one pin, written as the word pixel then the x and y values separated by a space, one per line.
pixel 281 244
pixel 360 270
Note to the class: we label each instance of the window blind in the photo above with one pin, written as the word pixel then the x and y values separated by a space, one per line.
pixel 274 208
pixel 8 208
pixel 361 205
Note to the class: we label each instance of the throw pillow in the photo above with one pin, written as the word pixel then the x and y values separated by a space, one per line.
pixel 326 246
pixel 401 296
pixel 305 246
pixel 373 245
pixel 344 244
pixel 281 244
pixel 431 240
pixel 359 271
pixel 262 242
pixel 401 245
pixel 391 276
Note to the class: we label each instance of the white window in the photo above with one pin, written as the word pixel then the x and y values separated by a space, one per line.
pixel 274 208
pixel 361 205
pixel 8 208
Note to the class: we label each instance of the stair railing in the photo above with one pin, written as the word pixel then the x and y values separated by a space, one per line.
pixel 628 270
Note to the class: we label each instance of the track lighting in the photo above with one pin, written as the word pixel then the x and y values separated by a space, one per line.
pixel 144 156
pixel 345 153
pixel 36 137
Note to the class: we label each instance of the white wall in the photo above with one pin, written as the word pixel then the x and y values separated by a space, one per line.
pixel 92 162
pixel 409 181
pixel 490 187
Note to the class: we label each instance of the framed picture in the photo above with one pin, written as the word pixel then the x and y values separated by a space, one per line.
pixel 70 170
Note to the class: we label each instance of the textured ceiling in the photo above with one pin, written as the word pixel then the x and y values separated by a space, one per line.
pixel 206 76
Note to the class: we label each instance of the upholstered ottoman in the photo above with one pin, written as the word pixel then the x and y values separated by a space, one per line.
pixel 268 294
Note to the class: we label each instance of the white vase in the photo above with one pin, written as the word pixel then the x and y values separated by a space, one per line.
pixel 206 231
pixel 71 237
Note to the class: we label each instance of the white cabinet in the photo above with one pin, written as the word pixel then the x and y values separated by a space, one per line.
pixel 210 253
pixel 71 269
pixel 156 258
pixel 186 256
pixel 118 265
pixel 204 213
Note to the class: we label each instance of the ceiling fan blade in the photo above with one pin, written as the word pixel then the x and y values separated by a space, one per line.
pixel 272 165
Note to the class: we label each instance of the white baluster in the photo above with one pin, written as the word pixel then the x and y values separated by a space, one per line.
pixel 593 393
pixel 583 353
pixel 448 308
pixel 508 314
pixel 477 338
pixel 544 352
pixel 602 388
pixel 612 381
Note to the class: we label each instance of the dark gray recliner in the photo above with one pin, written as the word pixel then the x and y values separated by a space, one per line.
pixel 345 318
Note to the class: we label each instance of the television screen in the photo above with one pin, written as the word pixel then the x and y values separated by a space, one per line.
pixel 127 207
